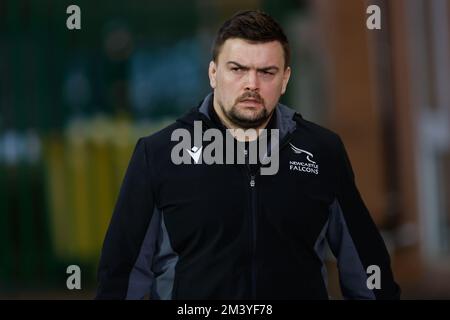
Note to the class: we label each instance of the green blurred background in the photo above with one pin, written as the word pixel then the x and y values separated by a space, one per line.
pixel 73 103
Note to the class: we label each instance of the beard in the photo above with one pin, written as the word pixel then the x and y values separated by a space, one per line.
pixel 247 118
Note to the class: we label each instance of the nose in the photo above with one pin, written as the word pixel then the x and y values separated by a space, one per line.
pixel 252 80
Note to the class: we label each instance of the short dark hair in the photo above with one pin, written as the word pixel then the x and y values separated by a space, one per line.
pixel 253 26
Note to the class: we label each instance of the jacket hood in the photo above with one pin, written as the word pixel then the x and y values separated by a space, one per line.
pixel 285 116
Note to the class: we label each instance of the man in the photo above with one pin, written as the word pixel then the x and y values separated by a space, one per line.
pixel 196 229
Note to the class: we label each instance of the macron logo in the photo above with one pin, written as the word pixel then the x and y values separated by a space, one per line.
pixel 195 153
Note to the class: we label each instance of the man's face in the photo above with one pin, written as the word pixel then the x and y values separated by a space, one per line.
pixel 248 80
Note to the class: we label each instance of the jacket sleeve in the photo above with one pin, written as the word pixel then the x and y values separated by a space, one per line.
pixel 356 242
pixel 125 264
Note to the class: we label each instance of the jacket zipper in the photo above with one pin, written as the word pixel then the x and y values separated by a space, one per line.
pixel 253 194
pixel 254 229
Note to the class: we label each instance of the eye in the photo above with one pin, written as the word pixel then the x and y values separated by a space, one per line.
pixel 236 69
pixel 265 72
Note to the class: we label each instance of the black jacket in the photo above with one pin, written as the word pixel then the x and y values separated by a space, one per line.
pixel 223 231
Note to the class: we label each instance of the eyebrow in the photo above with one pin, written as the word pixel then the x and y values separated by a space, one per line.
pixel 268 68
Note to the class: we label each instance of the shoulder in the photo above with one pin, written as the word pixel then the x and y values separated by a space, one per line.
pixel 161 136
pixel 158 142
pixel 318 135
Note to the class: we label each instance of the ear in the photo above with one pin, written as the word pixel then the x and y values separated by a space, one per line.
pixel 212 72
pixel 286 76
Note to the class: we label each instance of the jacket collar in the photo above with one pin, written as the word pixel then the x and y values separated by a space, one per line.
pixel 285 121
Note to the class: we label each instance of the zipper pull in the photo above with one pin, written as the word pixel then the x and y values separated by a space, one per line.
pixel 252 181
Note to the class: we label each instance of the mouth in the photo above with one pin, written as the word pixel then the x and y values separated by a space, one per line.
pixel 251 102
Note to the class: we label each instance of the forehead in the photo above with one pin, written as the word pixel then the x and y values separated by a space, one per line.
pixel 252 54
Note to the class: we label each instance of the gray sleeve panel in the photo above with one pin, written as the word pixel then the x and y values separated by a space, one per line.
pixel 141 278
pixel 164 265
pixel 319 248
pixel 352 276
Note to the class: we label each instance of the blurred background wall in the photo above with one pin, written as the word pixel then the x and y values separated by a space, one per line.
pixel 74 102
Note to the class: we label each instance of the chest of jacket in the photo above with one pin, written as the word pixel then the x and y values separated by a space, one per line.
pixel 204 201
